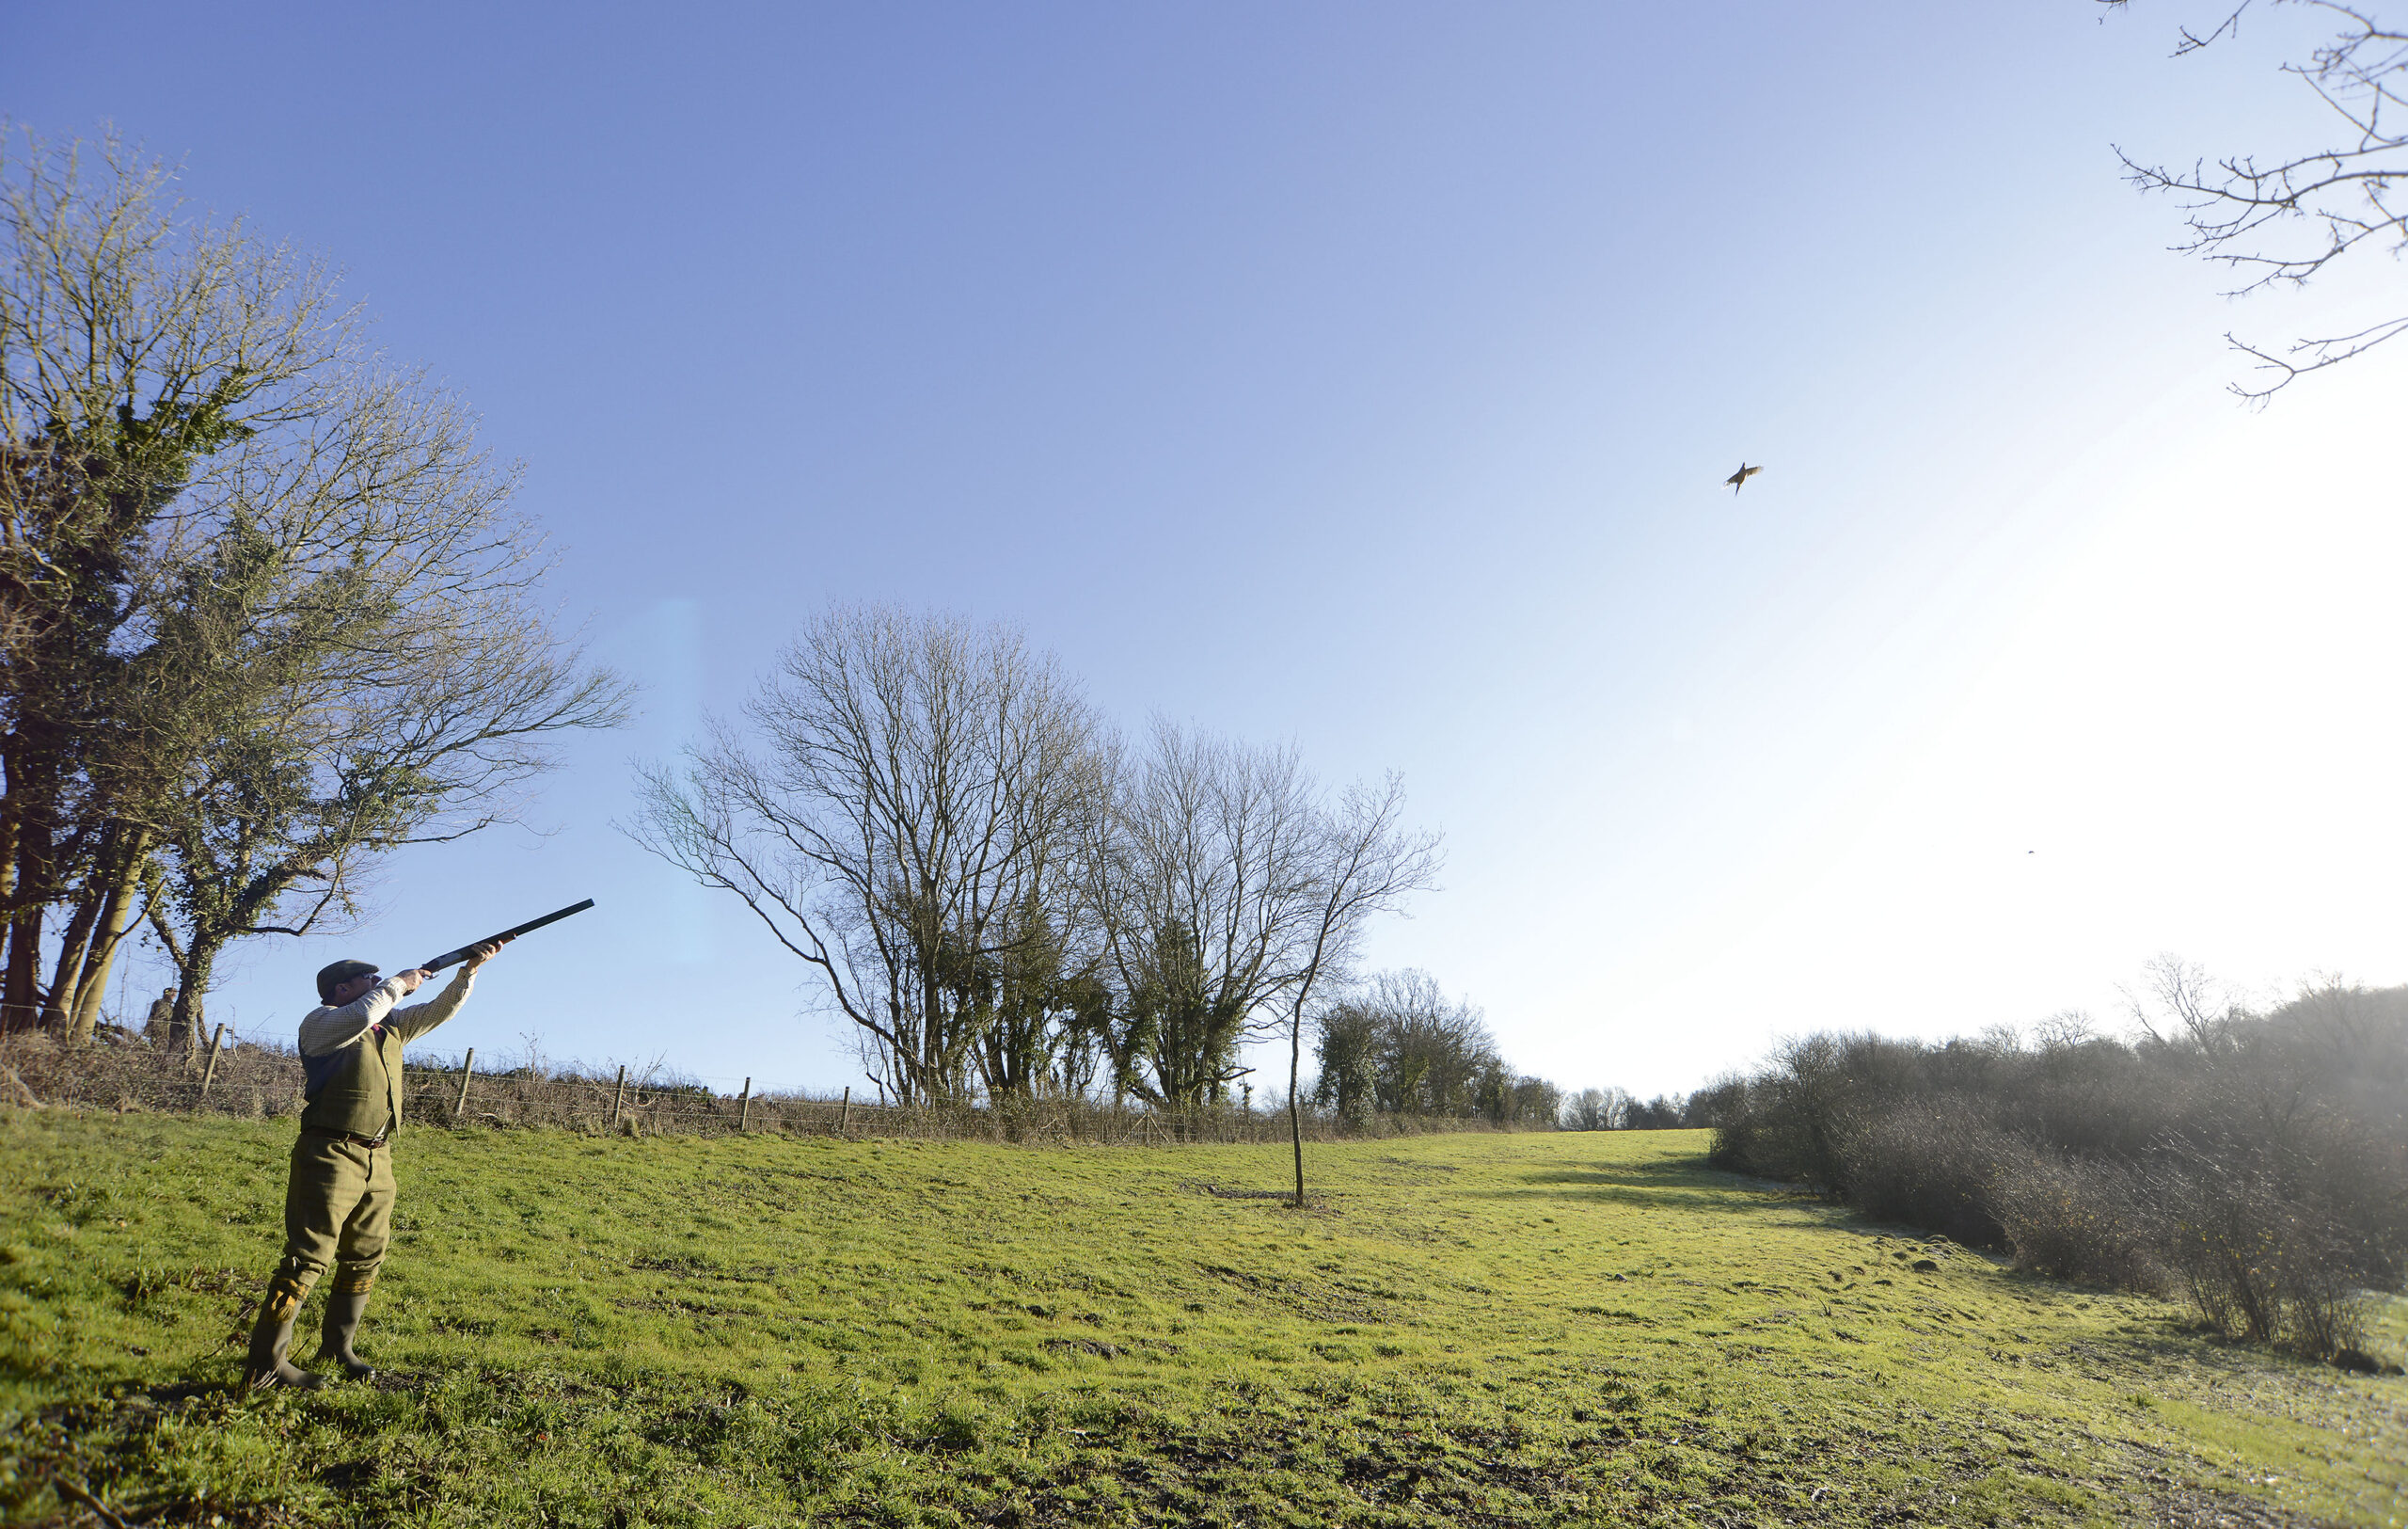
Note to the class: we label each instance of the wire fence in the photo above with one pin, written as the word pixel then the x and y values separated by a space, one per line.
pixel 121 1073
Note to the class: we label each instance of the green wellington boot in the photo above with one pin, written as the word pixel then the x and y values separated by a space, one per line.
pixel 272 1339
pixel 344 1311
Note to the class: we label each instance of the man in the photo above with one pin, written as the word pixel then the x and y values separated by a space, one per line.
pixel 338 1202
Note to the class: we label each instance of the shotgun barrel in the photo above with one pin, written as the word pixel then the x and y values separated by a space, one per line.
pixel 454 958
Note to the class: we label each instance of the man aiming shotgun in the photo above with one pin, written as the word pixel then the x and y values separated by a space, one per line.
pixel 339 1202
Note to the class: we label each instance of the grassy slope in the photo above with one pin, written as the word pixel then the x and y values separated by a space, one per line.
pixel 1474 1329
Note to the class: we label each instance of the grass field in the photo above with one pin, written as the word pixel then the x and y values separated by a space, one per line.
pixel 1507 1329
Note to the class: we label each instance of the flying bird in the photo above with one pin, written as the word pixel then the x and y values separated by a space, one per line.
pixel 1739 479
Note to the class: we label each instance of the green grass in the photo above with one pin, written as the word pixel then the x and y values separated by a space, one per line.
pixel 1573 1328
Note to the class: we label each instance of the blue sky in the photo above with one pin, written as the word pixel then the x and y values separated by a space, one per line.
pixel 1366 377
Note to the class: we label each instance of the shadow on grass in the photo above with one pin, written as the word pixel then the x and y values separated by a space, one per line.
pixel 1664 1182
pixel 2144 1341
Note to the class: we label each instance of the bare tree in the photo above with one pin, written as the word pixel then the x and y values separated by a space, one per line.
pixel 1597 1110
pixel 1363 862
pixel 337 681
pixel 1039 1006
pixel 2283 221
pixel 1664 1112
pixel 2068 1030
pixel 265 611
pixel 904 815
pixel 927 815
pixel 2182 998
pixel 1210 883
pixel 135 342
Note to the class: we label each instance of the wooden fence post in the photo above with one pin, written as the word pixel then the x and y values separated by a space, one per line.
pixel 845 1113
pixel 467 1066
pixel 619 1095
pixel 209 1074
pixel 744 1107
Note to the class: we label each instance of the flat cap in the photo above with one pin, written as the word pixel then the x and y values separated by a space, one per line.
pixel 340 972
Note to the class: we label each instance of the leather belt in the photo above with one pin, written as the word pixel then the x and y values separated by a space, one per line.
pixel 351 1137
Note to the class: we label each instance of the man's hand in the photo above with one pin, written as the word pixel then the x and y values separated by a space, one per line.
pixel 411 979
pixel 479 955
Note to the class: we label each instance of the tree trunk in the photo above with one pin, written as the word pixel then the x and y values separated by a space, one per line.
pixel 65 980
pixel 31 802
pixel 117 916
pixel 21 988
pixel 7 893
pixel 8 844
pixel 195 968
pixel 931 1040
pixel 1296 1111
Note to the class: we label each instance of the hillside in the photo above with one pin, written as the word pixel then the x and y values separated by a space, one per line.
pixel 1531 1328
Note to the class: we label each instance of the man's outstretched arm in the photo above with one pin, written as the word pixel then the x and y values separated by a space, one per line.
pixel 331 1029
pixel 418 1018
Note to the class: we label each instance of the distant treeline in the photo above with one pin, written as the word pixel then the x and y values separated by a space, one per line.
pixel 2256 1165
pixel 1611 1110
pixel 1399 1046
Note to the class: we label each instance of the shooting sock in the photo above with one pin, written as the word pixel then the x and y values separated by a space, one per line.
pixel 346 1304
pixel 272 1334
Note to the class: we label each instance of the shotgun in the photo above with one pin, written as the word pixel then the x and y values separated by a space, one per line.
pixel 454 958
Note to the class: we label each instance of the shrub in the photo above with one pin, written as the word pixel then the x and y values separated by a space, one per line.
pixel 1934 1167
pixel 2258 1165
pixel 2080 1221
pixel 2274 1238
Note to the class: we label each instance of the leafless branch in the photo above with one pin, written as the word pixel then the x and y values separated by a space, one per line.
pixel 2285 221
pixel 904 785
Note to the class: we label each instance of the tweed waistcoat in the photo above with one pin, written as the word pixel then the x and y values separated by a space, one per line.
pixel 356 1089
